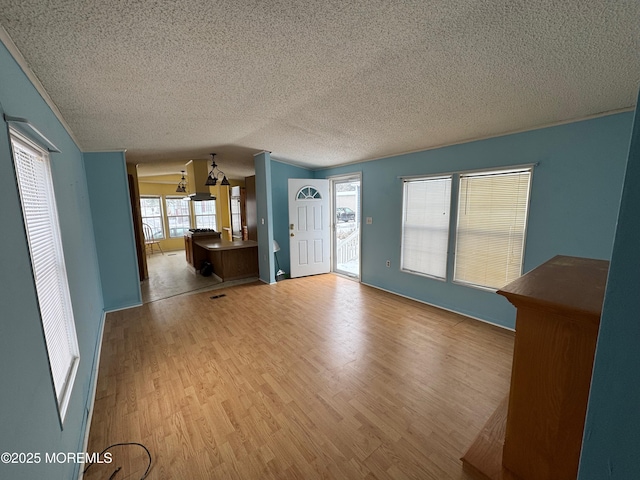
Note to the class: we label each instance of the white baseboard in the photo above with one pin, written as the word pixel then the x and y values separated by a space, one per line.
pixel 126 307
pixel 92 394
pixel 440 307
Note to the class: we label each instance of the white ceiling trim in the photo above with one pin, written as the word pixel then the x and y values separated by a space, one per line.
pixel 469 140
pixel 22 63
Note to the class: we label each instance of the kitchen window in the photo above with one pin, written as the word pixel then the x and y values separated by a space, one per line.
pixel 236 218
pixel 205 213
pixel 151 211
pixel 178 216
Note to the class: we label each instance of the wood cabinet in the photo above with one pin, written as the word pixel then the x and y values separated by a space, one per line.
pixel 194 255
pixel 558 315
pixel 188 249
pixel 231 259
pixel 251 208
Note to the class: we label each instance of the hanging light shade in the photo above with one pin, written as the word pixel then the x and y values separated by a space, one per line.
pixel 215 173
pixel 182 185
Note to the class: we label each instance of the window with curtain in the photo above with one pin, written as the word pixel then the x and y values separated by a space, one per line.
pixel 425 225
pixel 205 213
pixel 35 184
pixel 178 216
pixel 151 211
pixel 492 220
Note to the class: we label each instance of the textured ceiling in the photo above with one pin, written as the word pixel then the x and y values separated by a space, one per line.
pixel 321 83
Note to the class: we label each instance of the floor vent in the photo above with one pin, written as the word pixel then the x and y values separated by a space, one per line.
pixel 218 296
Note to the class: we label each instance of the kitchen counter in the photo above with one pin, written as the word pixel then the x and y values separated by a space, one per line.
pixel 195 256
pixel 213 244
pixel 231 259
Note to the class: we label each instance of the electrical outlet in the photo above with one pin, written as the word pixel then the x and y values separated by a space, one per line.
pixel 369 220
pixel 388 263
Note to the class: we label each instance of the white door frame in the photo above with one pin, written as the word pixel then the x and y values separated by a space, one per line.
pixel 339 179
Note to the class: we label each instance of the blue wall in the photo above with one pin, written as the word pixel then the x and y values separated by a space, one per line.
pixel 280 174
pixel 574 203
pixel 611 447
pixel 113 228
pixel 28 417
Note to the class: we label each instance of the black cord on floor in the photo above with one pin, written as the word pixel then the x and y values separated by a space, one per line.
pixel 146 472
pixel 115 472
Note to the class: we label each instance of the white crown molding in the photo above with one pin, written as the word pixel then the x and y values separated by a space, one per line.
pixel 299 165
pixel 261 152
pixel 113 150
pixel 22 63
pixel 630 108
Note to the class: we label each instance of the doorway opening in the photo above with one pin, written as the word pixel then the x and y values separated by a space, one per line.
pixel 346 221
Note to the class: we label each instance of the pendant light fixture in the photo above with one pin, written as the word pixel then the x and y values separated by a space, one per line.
pixel 215 173
pixel 182 185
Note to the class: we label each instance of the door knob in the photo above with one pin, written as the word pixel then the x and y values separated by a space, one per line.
pixel 293 234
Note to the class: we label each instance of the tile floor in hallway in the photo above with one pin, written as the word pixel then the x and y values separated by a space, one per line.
pixel 171 275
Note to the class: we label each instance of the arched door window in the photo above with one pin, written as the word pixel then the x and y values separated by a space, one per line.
pixel 308 193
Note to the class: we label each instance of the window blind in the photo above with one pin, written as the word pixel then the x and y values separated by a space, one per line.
pixel 45 246
pixel 492 217
pixel 425 227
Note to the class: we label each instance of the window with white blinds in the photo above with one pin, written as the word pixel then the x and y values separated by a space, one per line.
pixel 425 226
pixel 492 219
pixel 43 234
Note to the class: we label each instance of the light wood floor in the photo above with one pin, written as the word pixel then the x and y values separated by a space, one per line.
pixel 318 377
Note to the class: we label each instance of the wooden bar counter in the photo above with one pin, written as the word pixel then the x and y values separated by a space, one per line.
pixel 231 259
pixel 558 314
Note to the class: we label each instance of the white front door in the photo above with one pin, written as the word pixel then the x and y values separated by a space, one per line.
pixel 309 226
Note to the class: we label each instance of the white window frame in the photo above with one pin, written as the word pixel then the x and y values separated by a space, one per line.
pixel 425 252
pixel 515 251
pixel 236 215
pixel 187 204
pixel 160 216
pixel 42 229
pixel 202 215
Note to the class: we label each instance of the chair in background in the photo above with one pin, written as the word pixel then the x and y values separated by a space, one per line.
pixel 149 240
